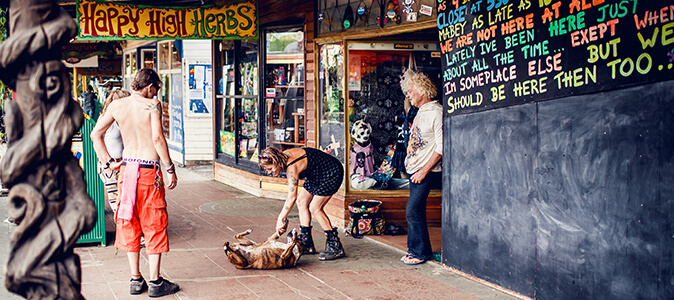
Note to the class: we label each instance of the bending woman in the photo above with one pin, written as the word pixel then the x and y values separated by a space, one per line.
pixel 323 176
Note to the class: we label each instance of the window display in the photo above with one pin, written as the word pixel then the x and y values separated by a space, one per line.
pixel 248 105
pixel 130 64
pixel 284 88
pixel 331 85
pixel 164 57
pixel 148 58
pixel 379 115
pixel 165 94
pixel 237 101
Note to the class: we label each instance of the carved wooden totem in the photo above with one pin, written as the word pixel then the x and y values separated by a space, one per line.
pixel 47 195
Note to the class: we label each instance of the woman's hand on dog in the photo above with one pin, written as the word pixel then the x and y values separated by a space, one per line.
pixel 281 225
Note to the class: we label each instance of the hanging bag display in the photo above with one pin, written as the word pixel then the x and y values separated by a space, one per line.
pixel 365 218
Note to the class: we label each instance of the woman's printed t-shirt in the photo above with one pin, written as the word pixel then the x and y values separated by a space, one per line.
pixel 425 138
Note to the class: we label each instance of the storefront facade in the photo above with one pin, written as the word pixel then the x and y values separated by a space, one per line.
pixel 185 69
pixel 325 68
pixel 176 42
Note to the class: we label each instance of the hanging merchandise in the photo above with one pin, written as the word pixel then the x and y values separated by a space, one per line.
pixel 405 117
pixel 408 6
pixel 392 11
pixel 321 15
pixel 363 12
pixel 334 16
pixel 381 19
pixel 347 20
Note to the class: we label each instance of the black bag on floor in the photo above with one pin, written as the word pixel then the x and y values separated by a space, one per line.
pixel 365 218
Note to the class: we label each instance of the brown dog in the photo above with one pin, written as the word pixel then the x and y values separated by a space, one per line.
pixel 271 254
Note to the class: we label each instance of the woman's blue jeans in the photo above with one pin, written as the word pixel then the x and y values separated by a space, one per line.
pixel 418 241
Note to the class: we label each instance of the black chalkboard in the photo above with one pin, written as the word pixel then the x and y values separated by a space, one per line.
pixel 488 227
pixel 498 53
pixel 565 199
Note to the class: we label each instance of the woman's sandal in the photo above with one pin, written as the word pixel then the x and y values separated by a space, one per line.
pixel 410 260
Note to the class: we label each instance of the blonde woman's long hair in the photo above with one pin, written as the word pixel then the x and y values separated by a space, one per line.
pixel 273 156
pixel 114 95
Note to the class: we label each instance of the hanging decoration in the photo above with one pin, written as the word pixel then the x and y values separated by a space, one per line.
pixel 363 12
pixel 348 18
pixel 408 6
pixel 392 11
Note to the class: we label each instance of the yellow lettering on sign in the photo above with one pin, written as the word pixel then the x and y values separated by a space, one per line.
pixel 109 21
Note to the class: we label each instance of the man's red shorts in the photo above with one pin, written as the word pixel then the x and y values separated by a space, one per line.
pixel 149 215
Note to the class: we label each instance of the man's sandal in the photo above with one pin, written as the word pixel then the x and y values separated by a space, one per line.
pixel 407 256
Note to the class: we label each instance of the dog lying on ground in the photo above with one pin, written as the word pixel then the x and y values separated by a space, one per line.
pixel 271 254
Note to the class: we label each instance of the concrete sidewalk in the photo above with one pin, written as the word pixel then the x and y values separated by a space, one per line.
pixel 203 214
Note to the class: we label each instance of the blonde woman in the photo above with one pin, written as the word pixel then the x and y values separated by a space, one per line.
pixel 113 141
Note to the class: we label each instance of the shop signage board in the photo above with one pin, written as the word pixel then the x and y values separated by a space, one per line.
pixel 200 88
pixel 501 53
pixel 102 20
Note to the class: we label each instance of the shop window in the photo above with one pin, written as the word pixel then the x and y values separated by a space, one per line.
pixel 284 88
pixel 331 89
pixel 248 105
pixel 164 96
pixel 237 101
pixel 379 114
pixel 164 57
pixel 169 56
pixel 344 15
pixel 175 56
pixel 148 58
pixel 130 64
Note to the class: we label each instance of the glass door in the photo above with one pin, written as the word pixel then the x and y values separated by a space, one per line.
pixel 237 102
pixel 284 87
pixel 331 89
pixel 247 104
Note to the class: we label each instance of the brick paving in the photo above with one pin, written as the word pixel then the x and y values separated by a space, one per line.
pixel 203 214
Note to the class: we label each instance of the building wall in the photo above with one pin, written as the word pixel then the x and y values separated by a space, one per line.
pixel 198 127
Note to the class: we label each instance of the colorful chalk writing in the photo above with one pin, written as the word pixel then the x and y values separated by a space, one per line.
pixel 499 53
pixel 102 20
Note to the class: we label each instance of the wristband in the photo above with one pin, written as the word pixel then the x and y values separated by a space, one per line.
pixel 171 169
pixel 107 164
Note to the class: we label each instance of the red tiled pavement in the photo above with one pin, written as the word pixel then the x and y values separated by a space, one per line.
pixel 203 214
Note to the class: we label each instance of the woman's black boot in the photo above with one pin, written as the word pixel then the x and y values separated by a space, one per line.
pixel 333 247
pixel 307 240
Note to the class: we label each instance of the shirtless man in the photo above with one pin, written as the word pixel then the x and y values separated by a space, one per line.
pixel 142 204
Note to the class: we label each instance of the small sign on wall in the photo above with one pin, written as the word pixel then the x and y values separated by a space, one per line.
pixel 200 89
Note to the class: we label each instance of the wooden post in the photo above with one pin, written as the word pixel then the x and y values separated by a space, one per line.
pixel 47 193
